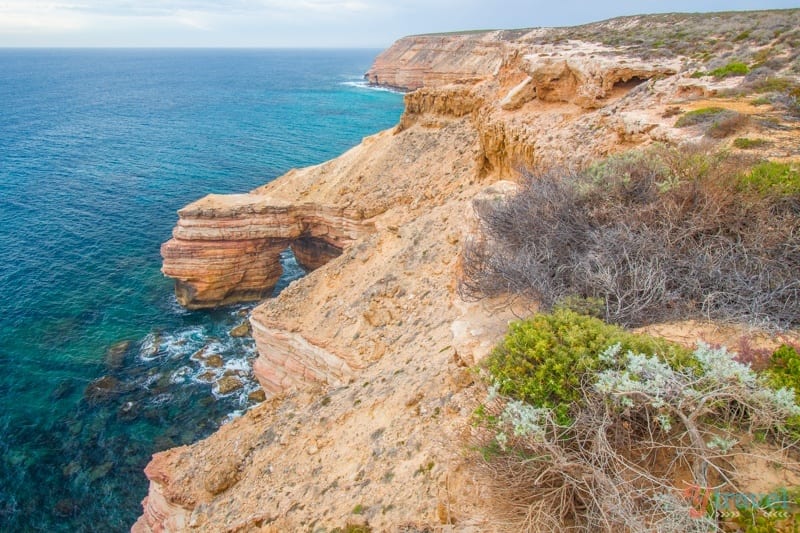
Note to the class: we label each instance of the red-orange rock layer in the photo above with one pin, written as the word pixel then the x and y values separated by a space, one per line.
pixel 226 249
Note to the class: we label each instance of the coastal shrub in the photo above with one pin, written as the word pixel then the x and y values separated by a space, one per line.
pixel 667 233
pixel 726 124
pixel 734 68
pixel 780 91
pixel 784 368
pixel 744 143
pixel 717 122
pixel 700 116
pixel 642 428
pixel 543 360
pixel 773 178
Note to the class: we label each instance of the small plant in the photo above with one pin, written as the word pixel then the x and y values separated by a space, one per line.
pixel 353 528
pixel 773 178
pixel 726 124
pixel 771 84
pixel 719 122
pixel 734 68
pixel 746 144
pixel 583 305
pixel 784 368
pixel 700 116
pixel 359 509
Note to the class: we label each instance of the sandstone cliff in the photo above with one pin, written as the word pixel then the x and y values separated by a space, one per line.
pixel 367 356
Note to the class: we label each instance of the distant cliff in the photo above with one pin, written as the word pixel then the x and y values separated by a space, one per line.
pixel 435 60
pixel 367 355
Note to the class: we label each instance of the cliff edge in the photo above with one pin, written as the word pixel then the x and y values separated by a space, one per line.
pixel 367 357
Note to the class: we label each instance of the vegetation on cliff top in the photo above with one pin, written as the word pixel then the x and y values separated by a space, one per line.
pixel 587 426
pixel 665 233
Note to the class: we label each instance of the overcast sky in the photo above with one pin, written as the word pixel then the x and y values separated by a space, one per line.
pixel 303 23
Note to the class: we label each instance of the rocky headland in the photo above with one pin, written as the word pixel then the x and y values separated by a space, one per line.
pixel 367 359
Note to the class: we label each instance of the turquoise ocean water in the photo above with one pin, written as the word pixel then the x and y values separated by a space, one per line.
pixel 98 149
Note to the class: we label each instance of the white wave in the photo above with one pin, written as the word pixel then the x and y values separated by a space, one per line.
pixel 361 84
pixel 160 399
pixel 232 416
pixel 181 375
pixel 150 347
pixel 150 380
pixel 241 365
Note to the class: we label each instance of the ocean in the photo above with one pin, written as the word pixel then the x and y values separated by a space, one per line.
pixel 99 366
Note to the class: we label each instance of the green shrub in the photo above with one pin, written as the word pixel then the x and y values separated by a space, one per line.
pixel 772 178
pixel 784 372
pixel 772 84
pixel 726 124
pixel 589 306
pixel 544 360
pixel 700 116
pixel 784 368
pixel 734 68
pixel 353 528
pixel 745 144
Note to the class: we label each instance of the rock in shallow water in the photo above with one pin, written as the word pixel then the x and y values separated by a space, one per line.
pixel 102 389
pixel 100 471
pixel 115 355
pixel 213 361
pixel 242 330
pixel 257 396
pixel 128 411
pixel 229 384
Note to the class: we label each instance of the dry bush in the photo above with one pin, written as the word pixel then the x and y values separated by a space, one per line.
pixel 643 431
pixel 727 126
pixel 659 235
pixel 605 473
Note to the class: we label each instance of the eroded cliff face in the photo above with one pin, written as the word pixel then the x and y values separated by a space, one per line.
pixel 366 358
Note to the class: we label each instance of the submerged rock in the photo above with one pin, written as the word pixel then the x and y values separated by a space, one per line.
pixel 62 389
pixel 65 507
pixel 100 471
pixel 102 389
pixel 207 376
pixel 115 355
pixel 128 411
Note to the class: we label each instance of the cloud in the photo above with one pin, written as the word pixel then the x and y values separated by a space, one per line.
pixel 36 16
pixel 299 22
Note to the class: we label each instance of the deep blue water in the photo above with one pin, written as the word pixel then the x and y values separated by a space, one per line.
pixel 98 149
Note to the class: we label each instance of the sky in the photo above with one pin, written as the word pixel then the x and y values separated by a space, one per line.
pixel 303 23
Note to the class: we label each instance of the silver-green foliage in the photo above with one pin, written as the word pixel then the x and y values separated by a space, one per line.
pixel 696 413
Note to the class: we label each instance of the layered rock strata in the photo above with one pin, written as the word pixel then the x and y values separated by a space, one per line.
pixel 227 248
pixel 367 355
